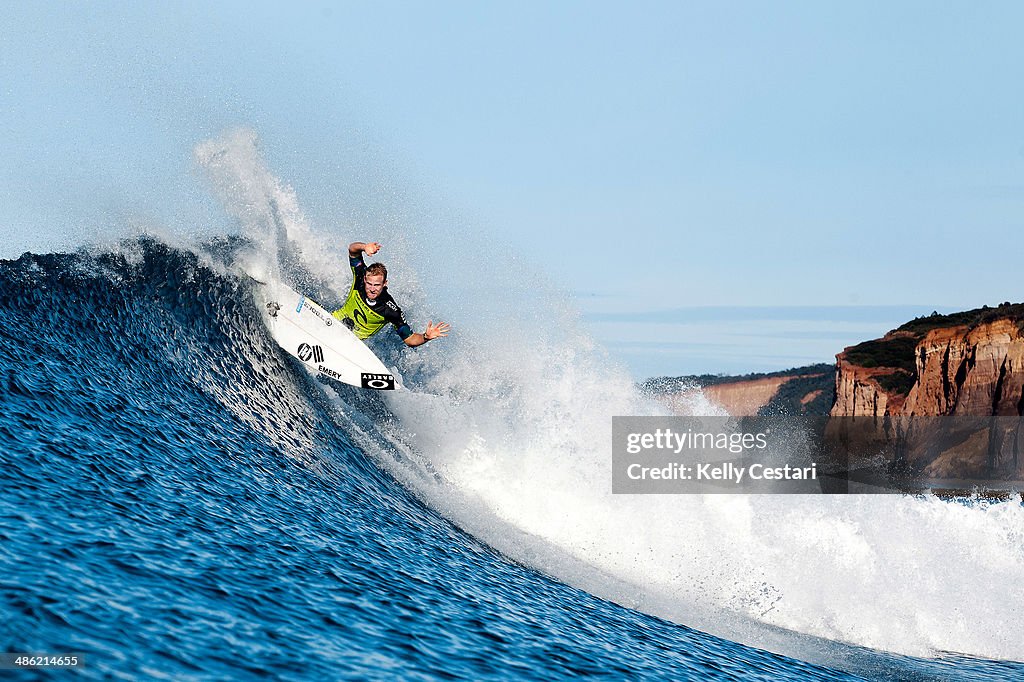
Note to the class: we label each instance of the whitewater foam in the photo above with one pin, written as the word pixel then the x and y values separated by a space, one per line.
pixel 903 574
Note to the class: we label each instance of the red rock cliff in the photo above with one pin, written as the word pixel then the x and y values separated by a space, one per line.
pixel 965 365
pixel 965 369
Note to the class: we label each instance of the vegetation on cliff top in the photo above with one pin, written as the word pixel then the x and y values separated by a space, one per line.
pixel 896 352
pixel 809 394
pixel 920 326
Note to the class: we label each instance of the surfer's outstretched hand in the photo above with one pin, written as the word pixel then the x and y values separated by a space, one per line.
pixel 436 330
pixel 371 248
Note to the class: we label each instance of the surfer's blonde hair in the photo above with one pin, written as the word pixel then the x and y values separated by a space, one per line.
pixel 377 269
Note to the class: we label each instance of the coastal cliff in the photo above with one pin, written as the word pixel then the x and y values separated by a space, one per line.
pixel 943 396
pixel 969 364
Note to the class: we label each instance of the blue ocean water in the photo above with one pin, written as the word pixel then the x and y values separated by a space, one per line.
pixel 181 500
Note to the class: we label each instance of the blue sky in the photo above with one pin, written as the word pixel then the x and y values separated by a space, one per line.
pixel 651 155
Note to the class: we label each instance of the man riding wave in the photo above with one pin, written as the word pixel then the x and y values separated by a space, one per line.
pixel 369 306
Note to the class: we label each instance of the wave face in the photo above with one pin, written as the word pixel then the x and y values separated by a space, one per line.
pixel 179 496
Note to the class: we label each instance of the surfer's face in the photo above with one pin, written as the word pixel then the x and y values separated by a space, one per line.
pixel 374 285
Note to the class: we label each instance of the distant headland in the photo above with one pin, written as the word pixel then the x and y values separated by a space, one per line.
pixel 968 364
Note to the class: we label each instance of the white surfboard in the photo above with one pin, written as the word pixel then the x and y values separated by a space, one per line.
pixel 322 343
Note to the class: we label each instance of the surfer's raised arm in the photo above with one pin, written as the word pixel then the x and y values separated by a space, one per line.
pixel 369 306
pixel 356 248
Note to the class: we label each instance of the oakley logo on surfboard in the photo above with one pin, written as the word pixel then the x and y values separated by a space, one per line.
pixel 381 382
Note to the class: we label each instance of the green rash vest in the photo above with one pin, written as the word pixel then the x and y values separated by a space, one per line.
pixel 366 318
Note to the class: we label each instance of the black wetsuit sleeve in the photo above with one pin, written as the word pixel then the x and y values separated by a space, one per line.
pixel 393 314
pixel 358 272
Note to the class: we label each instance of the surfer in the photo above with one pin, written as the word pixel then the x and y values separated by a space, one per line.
pixel 369 306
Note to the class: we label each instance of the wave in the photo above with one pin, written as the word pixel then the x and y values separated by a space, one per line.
pixel 506 431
